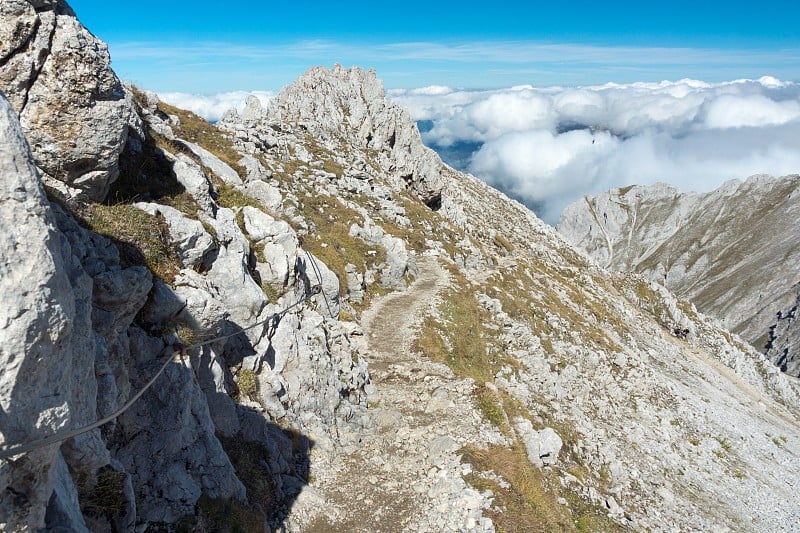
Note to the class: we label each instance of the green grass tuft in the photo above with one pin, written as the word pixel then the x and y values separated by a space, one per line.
pixel 142 239
pixel 530 502
pixel 331 242
pixel 231 197
pixel 503 243
pixel 225 516
pixel 107 498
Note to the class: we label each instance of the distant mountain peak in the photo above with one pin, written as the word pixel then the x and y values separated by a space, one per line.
pixel 733 251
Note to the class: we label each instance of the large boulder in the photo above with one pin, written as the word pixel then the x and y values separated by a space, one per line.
pixel 542 446
pixel 189 237
pixel 72 107
pixel 400 264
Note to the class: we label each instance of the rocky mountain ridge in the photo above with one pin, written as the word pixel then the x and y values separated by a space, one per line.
pixel 187 437
pixel 462 368
pixel 733 252
pixel 494 250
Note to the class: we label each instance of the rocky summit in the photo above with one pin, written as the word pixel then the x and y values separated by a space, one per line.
pixel 300 319
pixel 733 252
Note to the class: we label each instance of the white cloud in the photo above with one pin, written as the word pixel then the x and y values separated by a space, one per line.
pixel 212 106
pixel 503 112
pixel 430 90
pixel 550 146
pixel 733 111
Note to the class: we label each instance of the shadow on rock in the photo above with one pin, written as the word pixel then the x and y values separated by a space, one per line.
pixel 274 465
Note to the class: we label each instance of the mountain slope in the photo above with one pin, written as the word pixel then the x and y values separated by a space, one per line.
pixel 565 344
pixel 732 252
pixel 507 383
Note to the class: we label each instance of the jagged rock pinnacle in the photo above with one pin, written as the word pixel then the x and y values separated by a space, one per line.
pixel 351 104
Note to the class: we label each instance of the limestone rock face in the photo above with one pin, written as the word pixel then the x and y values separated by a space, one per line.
pixel 255 254
pixel 40 320
pixel 784 340
pixel 733 252
pixel 70 354
pixel 167 442
pixel 324 100
pixel 66 341
pixel 72 107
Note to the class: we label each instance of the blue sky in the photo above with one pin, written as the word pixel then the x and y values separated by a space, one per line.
pixel 209 47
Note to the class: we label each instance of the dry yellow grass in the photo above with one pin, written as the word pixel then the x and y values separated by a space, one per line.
pixel 331 241
pixel 197 130
pixel 530 503
pixel 142 239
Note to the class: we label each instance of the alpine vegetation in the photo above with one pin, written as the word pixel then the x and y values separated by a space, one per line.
pixel 301 319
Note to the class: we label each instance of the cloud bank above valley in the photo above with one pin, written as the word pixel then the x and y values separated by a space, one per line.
pixel 549 146
pixel 212 107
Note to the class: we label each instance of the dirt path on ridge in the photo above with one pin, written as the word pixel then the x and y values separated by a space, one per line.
pixel 391 325
pixel 405 470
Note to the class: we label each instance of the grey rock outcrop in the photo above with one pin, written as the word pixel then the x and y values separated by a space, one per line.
pixel 191 176
pixel 69 305
pixel 733 252
pixel 278 243
pixel 542 446
pixel 400 264
pixel 167 442
pixel 783 343
pixel 189 236
pixel 254 254
pixel 79 309
pixel 228 283
pixel 38 317
pixel 71 343
pixel 326 99
pixel 72 107
pixel 64 506
pixel 214 163
pixel 245 127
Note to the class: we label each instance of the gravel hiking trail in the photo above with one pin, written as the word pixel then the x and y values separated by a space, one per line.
pixel 405 473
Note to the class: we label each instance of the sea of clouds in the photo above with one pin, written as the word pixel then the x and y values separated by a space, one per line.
pixel 549 146
pixel 212 107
